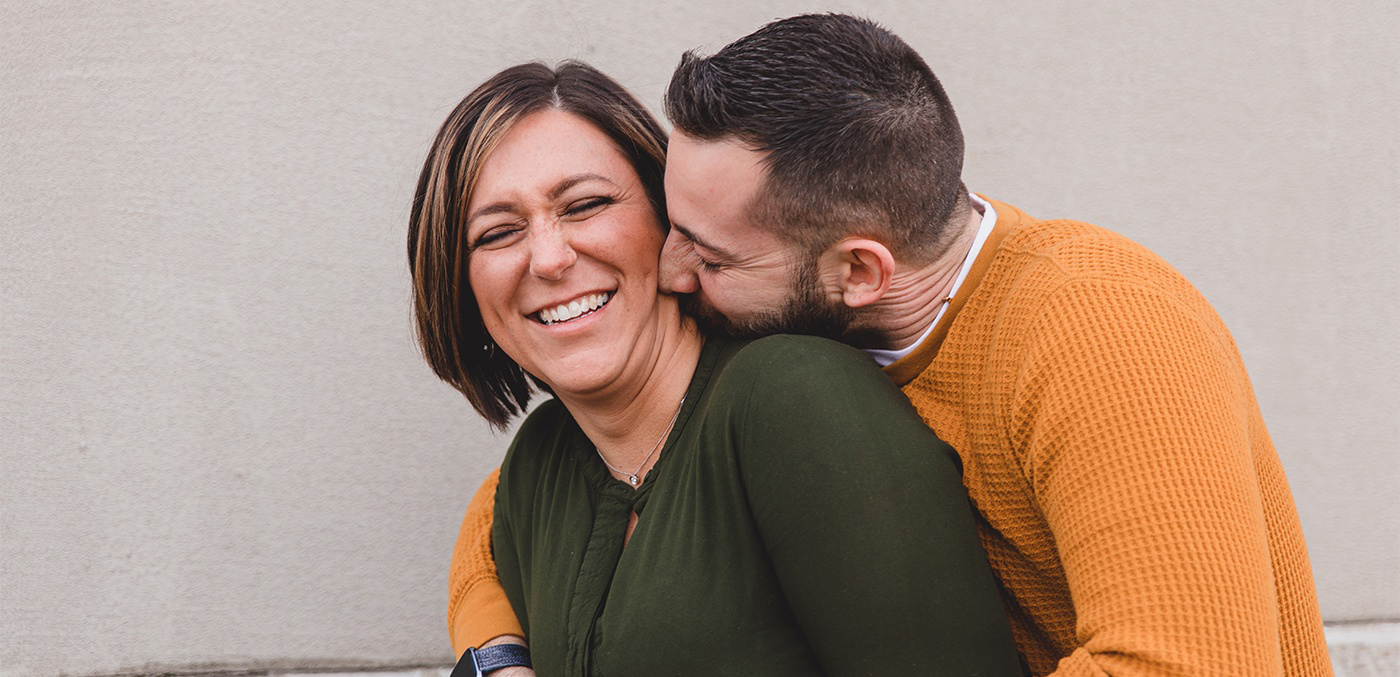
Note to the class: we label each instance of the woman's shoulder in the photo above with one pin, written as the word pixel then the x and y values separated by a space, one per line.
pixel 795 353
pixel 800 399
pixel 802 378
pixel 548 416
pixel 543 431
pixel 785 361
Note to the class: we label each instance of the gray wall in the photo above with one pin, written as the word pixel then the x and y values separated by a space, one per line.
pixel 219 448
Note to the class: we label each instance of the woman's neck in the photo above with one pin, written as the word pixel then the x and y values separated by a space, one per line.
pixel 629 422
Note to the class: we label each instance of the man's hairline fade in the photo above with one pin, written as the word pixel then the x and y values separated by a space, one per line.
pixel 702 105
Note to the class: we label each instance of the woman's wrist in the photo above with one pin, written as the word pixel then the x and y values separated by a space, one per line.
pixel 504 639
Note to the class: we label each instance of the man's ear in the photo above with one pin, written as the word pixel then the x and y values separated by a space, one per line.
pixel 859 270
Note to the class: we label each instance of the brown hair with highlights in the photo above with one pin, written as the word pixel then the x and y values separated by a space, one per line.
pixel 455 343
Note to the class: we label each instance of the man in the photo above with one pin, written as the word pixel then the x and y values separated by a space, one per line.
pixel 1128 495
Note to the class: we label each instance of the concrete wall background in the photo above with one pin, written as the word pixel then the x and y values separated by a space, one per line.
pixel 219 448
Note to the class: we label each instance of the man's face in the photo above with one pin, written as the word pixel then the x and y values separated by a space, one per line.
pixel 739 278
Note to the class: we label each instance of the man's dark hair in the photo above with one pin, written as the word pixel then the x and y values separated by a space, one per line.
pixel 859 135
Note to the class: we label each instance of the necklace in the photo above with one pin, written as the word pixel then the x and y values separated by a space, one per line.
pixel 632 476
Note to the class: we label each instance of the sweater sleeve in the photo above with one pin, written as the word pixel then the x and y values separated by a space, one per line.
pixel 864 517
pixel 477 610
pixel 1133 414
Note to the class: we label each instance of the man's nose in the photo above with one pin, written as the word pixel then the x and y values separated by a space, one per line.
pixel 677 275
pixel 550 253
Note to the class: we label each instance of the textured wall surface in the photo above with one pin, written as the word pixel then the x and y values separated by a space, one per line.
pixel 219 448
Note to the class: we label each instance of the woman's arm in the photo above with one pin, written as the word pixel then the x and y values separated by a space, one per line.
pixel 865 518
pixel 477 610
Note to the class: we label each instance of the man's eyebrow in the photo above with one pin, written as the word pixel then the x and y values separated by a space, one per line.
pixel 553 194
pixel 690 235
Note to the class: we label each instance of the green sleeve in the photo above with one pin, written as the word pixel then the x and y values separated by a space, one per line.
pixel 511 548
pixel 505 551
pixel 864 516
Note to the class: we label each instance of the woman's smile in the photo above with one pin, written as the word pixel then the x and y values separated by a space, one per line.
pixel 587 304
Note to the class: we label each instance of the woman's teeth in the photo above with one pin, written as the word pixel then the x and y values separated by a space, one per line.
pixel 573 309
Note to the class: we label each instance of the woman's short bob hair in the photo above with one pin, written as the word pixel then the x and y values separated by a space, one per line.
pixel 455 342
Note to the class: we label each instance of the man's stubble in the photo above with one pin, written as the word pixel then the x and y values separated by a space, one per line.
pixel 805 310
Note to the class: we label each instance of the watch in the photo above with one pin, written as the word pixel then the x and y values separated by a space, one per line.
pixel 477 662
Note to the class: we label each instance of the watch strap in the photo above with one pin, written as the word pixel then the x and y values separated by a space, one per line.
pixel 477 662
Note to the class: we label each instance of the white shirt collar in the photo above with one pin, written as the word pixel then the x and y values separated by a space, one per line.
pixel 989 220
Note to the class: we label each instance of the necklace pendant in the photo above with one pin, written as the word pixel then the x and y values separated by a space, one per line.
pixel 633 479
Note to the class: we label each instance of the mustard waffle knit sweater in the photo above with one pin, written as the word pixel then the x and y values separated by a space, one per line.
pixel 1127 492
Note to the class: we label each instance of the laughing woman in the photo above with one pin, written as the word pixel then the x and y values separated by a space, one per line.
pixel 684 504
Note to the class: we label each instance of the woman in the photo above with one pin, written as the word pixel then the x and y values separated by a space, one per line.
pixel 685 504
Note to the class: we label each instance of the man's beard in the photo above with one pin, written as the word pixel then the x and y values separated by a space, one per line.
pixel 805 311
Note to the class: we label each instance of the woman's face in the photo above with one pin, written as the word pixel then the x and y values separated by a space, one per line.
pixel 563 254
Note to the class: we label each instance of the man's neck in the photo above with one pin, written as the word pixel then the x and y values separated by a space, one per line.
pixel 916 296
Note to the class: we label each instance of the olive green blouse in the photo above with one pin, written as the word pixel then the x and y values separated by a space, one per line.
pixel 800 520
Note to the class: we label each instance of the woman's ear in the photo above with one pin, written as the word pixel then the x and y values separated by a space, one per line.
pixel 859 270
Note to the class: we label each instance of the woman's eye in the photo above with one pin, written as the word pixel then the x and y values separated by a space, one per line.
pixel 495 236
pixel 586 206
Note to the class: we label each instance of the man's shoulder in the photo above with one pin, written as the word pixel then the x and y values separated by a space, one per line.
pixel 1054 279
pixel 1052 237
pixel 1066 250
pixel 1043 269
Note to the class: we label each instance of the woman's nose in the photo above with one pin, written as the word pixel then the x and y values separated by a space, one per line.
pixel 550 254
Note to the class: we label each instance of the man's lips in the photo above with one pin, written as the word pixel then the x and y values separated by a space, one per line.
pixel 572 310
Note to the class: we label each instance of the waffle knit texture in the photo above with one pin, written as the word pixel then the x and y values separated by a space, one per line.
pixel 1130 499
pixel 1127 493
pixel 477 608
